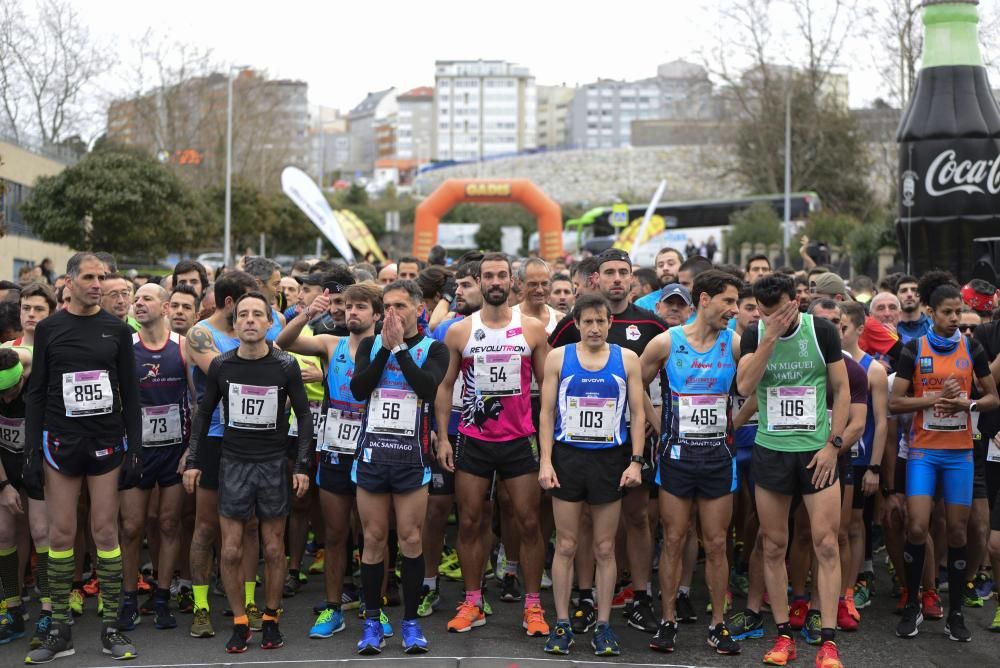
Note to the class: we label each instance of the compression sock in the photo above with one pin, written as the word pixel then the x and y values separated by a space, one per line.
pixel 371 583
pixel 270 615
pixel 61 565
pixel 109 574
pixel 42 575
pixel 475 597
pixel 956 577
pixel 8 577
pixel 200 594
pixel 532 600
pixel 249 588
pixel 913 560
pixel 412 580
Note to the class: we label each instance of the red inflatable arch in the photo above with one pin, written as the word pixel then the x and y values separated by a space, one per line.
pixel 489 191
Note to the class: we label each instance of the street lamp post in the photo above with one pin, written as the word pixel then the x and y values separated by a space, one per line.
pixel 227 255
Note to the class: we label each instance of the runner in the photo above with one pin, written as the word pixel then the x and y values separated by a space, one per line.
pixel 561 298
pixel 165 397
pixel 183 309
pixel 192 274
pixel 757 265
pixel 582 439
pixel 696 466
pixel 397 374
pixel 116 298
pixel 791 361
pixel 268 275
pixel 668 262
pixel 913 321
pixel 207 340
pixel 252 382
pixel 83 417
pixel 940 454
pixel 496 351
pixel 342 427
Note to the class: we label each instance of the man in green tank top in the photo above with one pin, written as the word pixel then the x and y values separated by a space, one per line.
pixel 791 361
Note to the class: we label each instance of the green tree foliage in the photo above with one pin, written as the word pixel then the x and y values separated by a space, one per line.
pixel 757 224
pixel 833 228
pixel 113 200
pixel 489 236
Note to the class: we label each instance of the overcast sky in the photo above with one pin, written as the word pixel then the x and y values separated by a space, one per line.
pixel 345 49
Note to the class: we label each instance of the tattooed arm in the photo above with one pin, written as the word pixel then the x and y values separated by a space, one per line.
pixel 201 348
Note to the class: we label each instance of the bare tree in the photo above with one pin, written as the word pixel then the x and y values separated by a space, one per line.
pixel 48 59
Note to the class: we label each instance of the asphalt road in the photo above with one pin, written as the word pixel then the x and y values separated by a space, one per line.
pixel 501 643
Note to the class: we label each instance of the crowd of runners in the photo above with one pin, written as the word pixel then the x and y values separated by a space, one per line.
pixel 586 425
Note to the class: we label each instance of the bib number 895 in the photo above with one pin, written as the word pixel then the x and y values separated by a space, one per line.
pixel 89 392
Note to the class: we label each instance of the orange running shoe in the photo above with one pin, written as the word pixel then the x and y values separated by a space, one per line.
pixel 851 608
pixel 534 621
pixel 845 622
pixel 91 587
pixel 781 652
pixel 143 586
pixel 467 617
pixel 931 604
pixel 828 656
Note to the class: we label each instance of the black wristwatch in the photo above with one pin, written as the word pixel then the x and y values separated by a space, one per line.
pixel 837 442
pixel 887 492
pixel 3 484
pixel 638 459
pixel 875 468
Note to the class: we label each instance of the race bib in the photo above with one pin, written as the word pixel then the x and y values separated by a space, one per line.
pixel 87 393
pixel 161 425
pixel 656 392
pixel 316 409
pixel 993 452
pixel 498 374
pixel 590 419
pixel 738 402
pixel 392 412
pixel 253 407
pixel 456 394
pixel 791 409
pixel 341 432
pixel 12 434
pixel 701 416
pixel 937 420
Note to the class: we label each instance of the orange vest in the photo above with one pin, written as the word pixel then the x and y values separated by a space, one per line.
pixel 932 429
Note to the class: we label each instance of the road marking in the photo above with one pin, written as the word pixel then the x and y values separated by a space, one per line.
pixel 410 659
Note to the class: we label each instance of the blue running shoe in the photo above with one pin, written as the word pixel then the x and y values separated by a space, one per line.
pixel 386 625
pixel 812 630
pixel 745 624
pixel 605 642
pixel 372 641
pixel 414 641
pixel 560 639
pixel 11 625
pixel 328 622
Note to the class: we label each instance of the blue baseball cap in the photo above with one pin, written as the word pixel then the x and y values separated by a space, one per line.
pixel 676 290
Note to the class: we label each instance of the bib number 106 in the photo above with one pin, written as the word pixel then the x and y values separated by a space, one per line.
pixel 792 408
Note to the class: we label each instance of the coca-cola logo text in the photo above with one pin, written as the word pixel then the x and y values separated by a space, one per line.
pixel 947 175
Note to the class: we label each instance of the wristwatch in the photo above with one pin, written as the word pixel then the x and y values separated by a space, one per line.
pixel 887 492
pixel 875 468
pixel 973 407
pixel 837 442
pixel 3 484
pixel 638 459
pixel 400 348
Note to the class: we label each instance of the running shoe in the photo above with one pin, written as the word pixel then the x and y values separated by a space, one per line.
pixel 383 619
pixel 238 641
pixel 42 626
pixel 746 624
pixel 984 584
pixel 862 595
pixel 605 642
pixel 372 641
pixel 467 617
pixel 117 645
pixel 292 586
pixel 350 597
pixel 721 641
pixel 128 616
pixel 430 599
pixel 271 637
pixel 729 604
pixel 641 616
pixel 901 601
pixel 76 602
pixel 164 618
pixel 851 608
pixel 685 611
pixel 797 613
pixel 450 567
pixel 510 588
pixel 534 622
pixel 57 644
pixel 955 627
pixel 185 600
pixel 329 621
pixel 91 587
pixel 143 585
pixel 812 630
pixel 255 616
pixel 912 619
pixel 487 608
pixel 319 562
pixel 585 617
pixel 392 598
pixel 666 637
pixel 560 639
pixel 971 597
pixel 622 597
pixel 546 582
pixel 995 624
pixel 11 626
pixel 501 560
pixel 414 641
pixel 931 604
pixel 781 652
pixel 828 656
pixel 739 583
pixel 201 624
pixel 148 607
pixel 845 622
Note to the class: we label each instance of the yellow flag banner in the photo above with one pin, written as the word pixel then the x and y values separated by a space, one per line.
pixel 358 234
pixel 627 236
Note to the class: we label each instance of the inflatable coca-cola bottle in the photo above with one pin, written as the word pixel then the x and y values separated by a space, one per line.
pixel 949 147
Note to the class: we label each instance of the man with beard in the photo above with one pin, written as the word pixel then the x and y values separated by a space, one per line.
pixel 496 351
pixel 342 427
pixel 913 322
pixel 633 328
pixel 668 266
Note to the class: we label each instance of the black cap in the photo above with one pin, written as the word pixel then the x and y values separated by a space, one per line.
pixel 315 278
pixel 613 255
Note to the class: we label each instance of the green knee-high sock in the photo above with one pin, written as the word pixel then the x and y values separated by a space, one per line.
pixel 43 574
pixel 109 574
pixel 61 565
pixel 8 577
